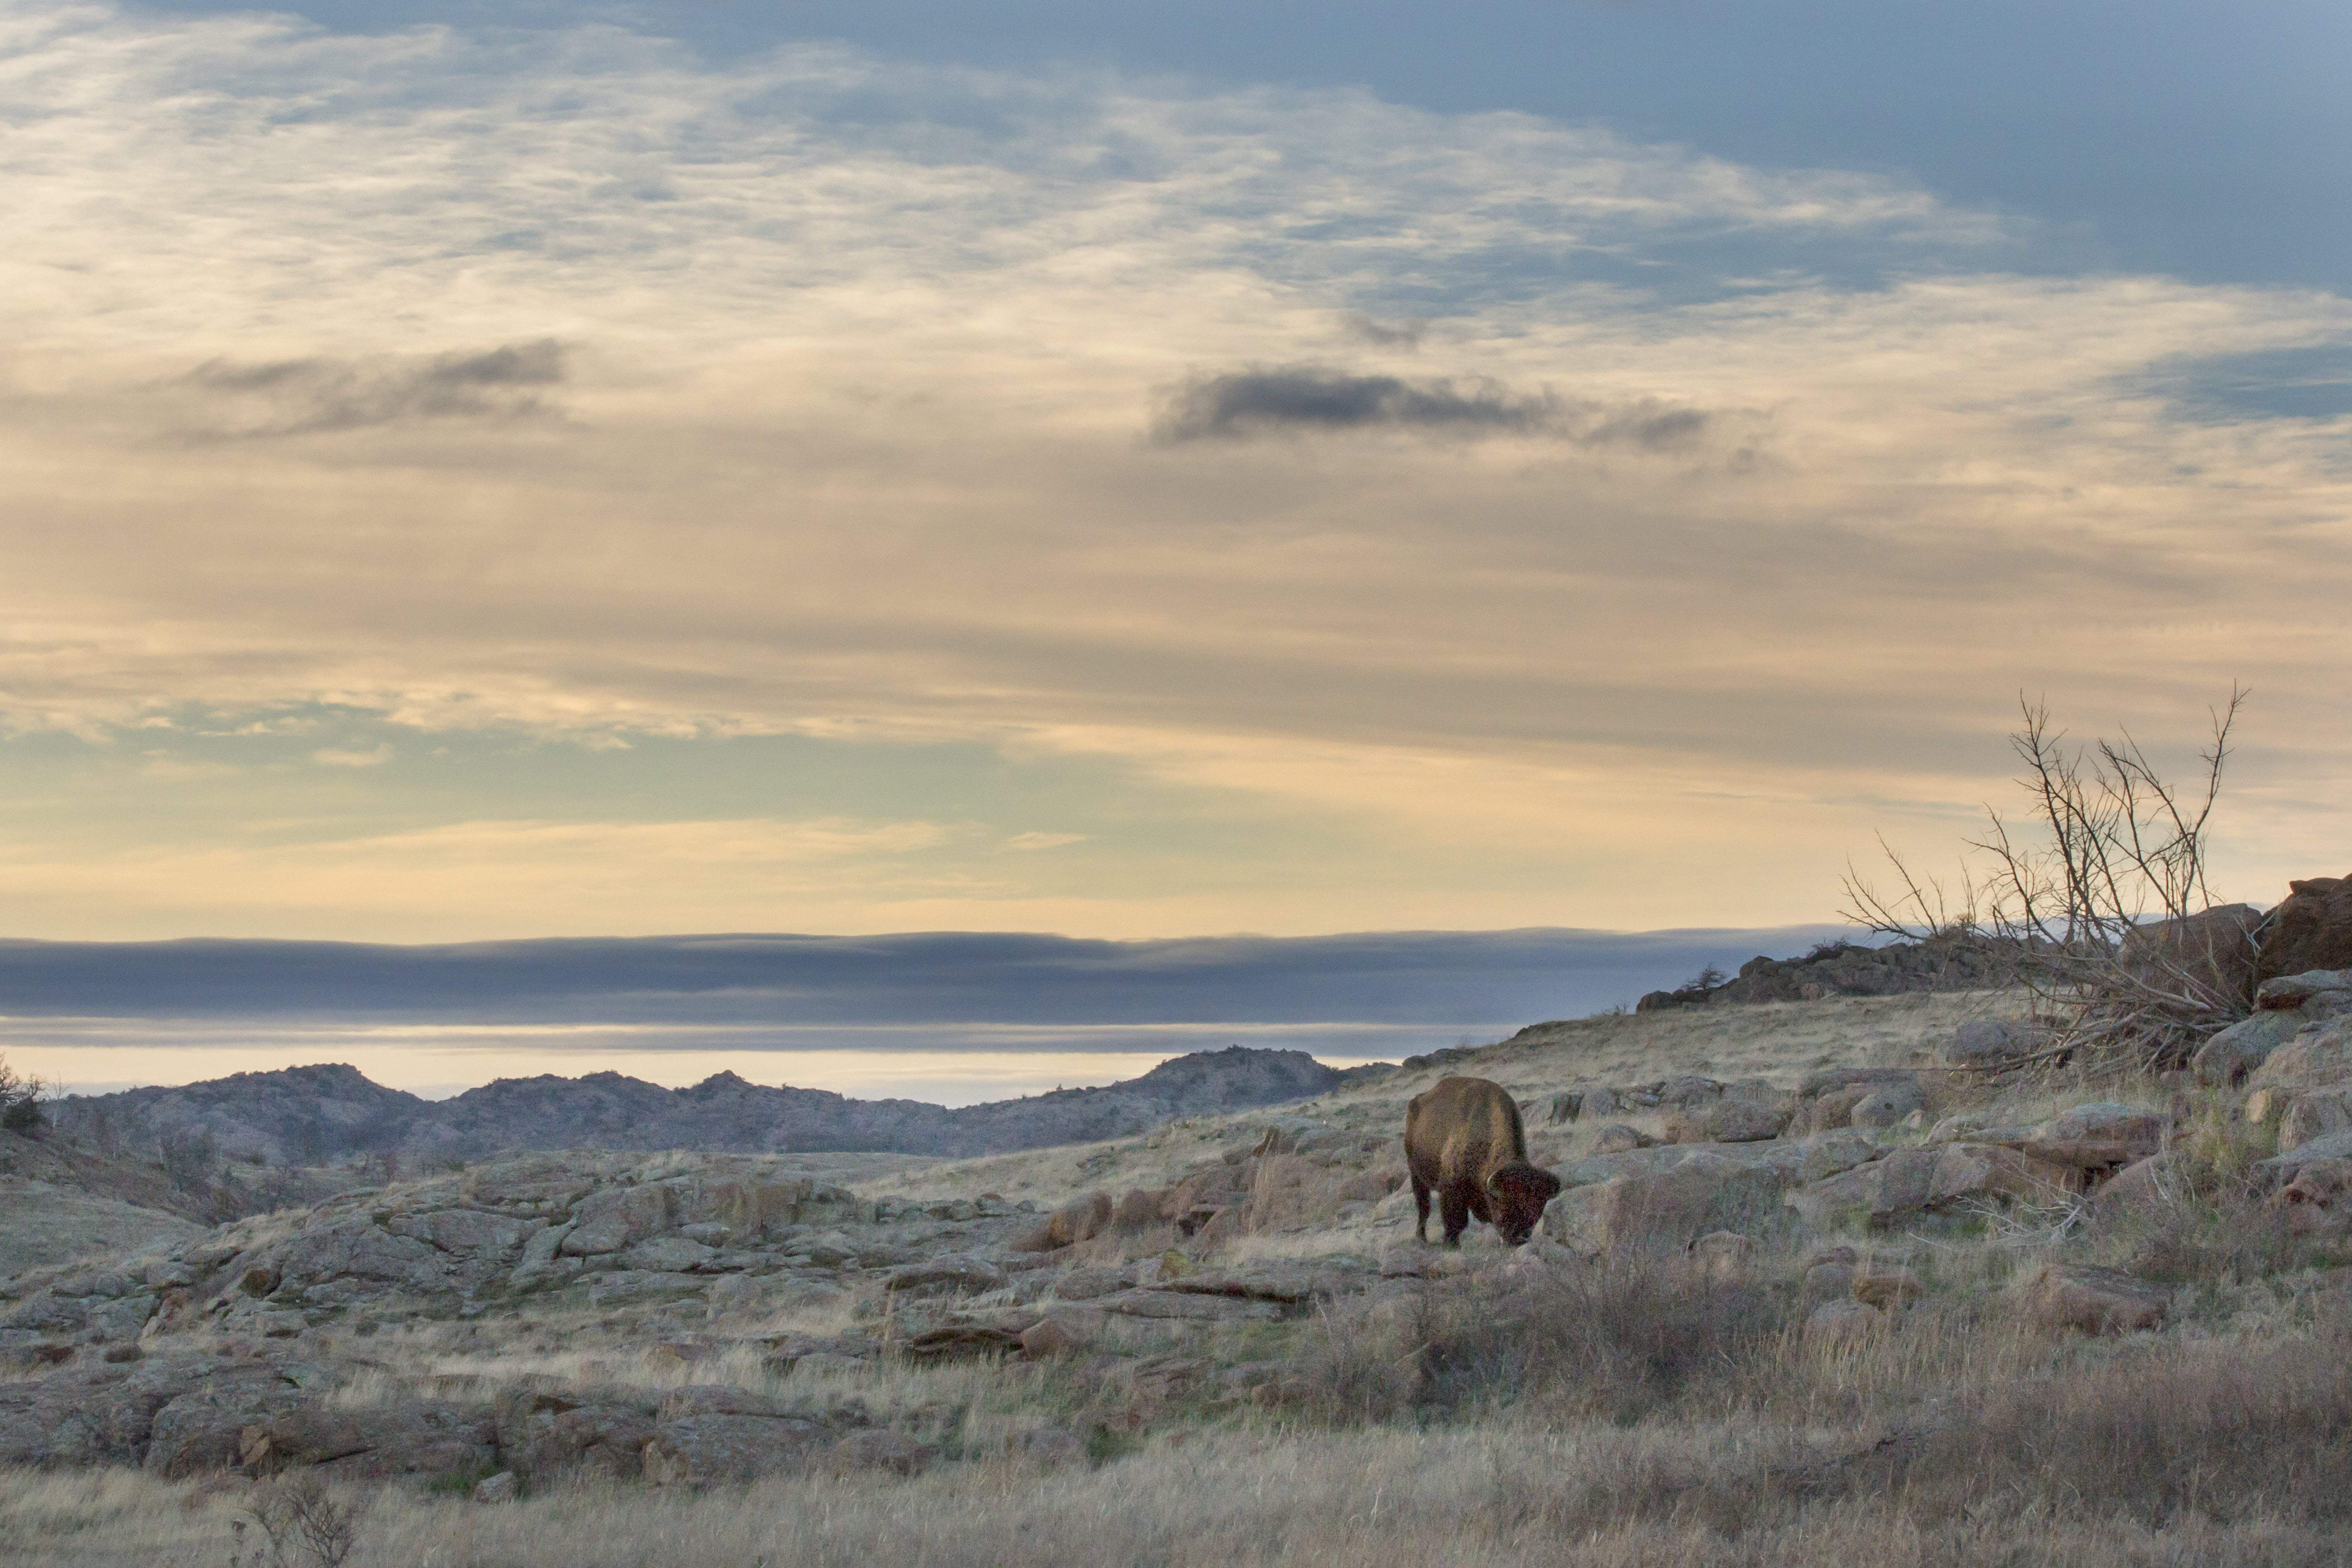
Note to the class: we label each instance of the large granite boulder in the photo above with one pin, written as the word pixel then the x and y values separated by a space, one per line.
pixel 2091 1301
pixel 543 1433
pixel 2311 928
pixel 2212 954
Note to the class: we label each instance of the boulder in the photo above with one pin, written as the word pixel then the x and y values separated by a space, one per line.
pixel 500 1487
pixel 1139 1210
pixel 1702 1192
pixel 2314 994
pixel 1086 1284
pixel 2321 1054
pixel 2212 954
pixel 544 1433
pixel 961 1341
pixel 668 1254
pixel 353 1249
pixel 2226 1057
pixel 880 1448
pixel 1836 1325
pixel 617 1217
pixel 1050 1337
pixel 49 1315
pixel 1989 1171
pixel 1992 1044
pixel 2084 1298
pixel 1888 1285
pixel 2142 1182
pixel 464 1230
pixel 205 1431
pixel 1878 1194
pixel 2319 1198
pixel 1885 1105
pixel 946 1275
pixel 1081 1219
pixel 716 1449
pixel 1830 1280
pixel 1745 1121
pixel 403 1438
pixel 2311 928
pixel 2307 1117
pixel 1618 1138
pixel 2282 1169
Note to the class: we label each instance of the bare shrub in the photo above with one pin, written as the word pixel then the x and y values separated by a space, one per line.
pixel 2109 844
pixel 302 1520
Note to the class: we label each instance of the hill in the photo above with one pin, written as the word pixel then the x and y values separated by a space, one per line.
pixel 312 1115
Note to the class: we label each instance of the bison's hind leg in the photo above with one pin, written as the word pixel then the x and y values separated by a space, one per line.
pixel 1456 1209
pixel 1421 1207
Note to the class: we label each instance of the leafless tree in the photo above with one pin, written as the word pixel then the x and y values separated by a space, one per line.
pixel 2072 888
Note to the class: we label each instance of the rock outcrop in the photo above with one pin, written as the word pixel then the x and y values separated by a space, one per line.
pixel 2311 928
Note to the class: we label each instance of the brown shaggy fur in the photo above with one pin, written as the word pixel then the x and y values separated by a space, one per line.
pixel 1463 1141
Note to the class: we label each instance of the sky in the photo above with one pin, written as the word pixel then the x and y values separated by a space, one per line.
pixel 496 470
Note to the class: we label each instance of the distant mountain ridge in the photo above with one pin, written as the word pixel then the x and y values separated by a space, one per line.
pixel 311 1114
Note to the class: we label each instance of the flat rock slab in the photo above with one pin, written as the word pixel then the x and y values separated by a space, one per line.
pixel 1189 1308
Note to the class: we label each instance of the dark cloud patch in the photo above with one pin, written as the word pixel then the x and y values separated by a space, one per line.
pixel 304 396
pixel 1399 334
pixel 1242 404
pixel 1307 399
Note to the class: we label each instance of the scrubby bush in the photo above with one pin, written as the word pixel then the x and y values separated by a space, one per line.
pixel 20 1100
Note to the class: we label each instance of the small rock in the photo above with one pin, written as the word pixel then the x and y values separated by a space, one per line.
pixel 1618 1138
pixel 500 1487
pixel 1888 1285
pixel 1884 1106
pixel 1987 1044
pixel 1828 1280
pixel 948 1274
pixel 880 1448
pixel 1048 1338
pixel 1834 1325
pixel 1733 1121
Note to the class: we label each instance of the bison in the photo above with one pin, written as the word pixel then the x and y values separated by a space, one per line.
pixel 1462 1140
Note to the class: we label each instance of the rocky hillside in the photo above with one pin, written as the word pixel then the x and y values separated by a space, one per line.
pixel 1847 969
pixel 313 1114
pixel 1762 1210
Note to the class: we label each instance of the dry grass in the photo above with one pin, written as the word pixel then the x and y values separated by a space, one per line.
pixel 2048 1477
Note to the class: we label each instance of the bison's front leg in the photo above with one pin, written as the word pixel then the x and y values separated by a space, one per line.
pixel 1420 1207
pixel 1457 1208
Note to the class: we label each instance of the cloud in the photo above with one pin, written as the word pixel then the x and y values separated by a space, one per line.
pixel 1301 399
pixel 304 396
pixel 333 758
pixel 855 458
pixel 1313 398
pixel 1028 841
pixel 1400 335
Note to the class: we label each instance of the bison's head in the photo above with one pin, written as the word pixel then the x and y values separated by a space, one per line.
pixel 1519 1192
